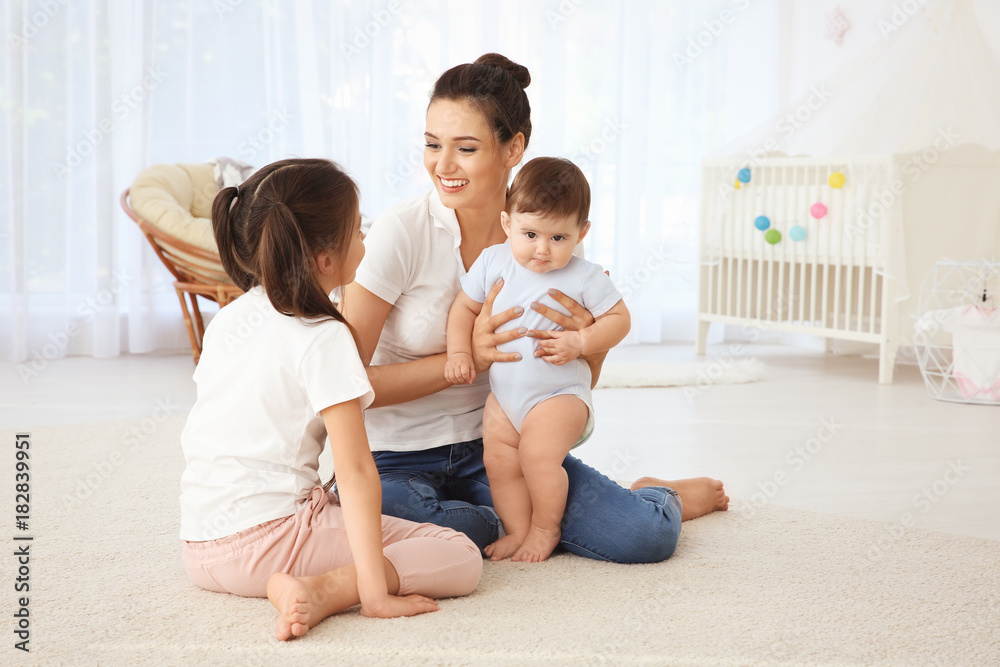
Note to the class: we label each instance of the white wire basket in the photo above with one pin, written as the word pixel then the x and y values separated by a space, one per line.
pixel 957 335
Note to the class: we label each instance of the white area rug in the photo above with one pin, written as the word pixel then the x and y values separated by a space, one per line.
pixel 755 586
pixel 722 370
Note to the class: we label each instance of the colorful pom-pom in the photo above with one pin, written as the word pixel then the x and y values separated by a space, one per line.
pixel 836 180
pixel 737 184
pixel 797 233
pixel 772 236
pixel 743 176
pixel 762 222
pixel 817 210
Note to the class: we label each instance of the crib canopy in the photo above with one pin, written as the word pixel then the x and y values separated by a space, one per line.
pixel 936 72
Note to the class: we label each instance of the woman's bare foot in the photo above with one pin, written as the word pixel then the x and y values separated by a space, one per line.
pixel 503 548
pixel 699 495
pixel 538 545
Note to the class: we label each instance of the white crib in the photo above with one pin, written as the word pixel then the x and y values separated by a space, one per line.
pixel 831 283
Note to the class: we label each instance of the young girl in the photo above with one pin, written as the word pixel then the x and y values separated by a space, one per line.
pixel 278 373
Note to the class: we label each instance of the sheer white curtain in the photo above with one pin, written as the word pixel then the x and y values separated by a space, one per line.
pixel 93 91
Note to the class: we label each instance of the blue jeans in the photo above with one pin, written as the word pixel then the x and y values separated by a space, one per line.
pixel 448 486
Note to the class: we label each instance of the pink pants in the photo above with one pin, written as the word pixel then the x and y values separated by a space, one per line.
pixel 430 560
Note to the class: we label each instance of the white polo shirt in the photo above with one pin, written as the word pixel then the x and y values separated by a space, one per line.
pixel 254 436
pixel 413 261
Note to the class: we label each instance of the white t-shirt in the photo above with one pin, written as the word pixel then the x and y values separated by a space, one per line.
pixel 413 261
pixel 253 438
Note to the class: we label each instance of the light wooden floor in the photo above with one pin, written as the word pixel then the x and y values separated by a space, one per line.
pixel 820 434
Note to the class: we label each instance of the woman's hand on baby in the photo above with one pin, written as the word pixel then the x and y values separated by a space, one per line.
pixel 459 368
pixel 394 605
pixel 580 317
pixel 485 337
pixel 561 347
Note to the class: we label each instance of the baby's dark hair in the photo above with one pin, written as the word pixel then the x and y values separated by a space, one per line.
pixel 550 186
pixel 269 229
pixel 494 85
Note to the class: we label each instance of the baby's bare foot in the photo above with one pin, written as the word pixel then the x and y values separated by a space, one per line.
pixel 505 547
pixel 699 495
pixel 291 597
pixel 538 545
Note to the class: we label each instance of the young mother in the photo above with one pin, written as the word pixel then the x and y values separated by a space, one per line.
pixel 426 435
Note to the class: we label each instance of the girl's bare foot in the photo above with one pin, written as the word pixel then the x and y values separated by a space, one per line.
pixel 699 495
pixel 292 598
pixel 302 602
pixel 505 547
pixel 538 545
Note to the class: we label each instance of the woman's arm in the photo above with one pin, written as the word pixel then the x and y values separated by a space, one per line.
pixel 402 382
pixel 393 383
pixel 367 314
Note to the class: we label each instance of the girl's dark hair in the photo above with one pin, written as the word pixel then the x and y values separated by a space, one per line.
pixel 494 85
pixel 550 186
pixel 269 229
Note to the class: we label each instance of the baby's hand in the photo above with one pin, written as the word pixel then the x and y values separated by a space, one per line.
pixel 460 369
pixel 562 348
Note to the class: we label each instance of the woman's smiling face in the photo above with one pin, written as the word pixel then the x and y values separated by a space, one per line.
pixel 469 168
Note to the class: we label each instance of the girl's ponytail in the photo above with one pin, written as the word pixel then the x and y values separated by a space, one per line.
pixel 286 267
pixel 283 215
pixel 226 238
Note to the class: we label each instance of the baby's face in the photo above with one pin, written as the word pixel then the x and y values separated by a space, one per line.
pixel 542 243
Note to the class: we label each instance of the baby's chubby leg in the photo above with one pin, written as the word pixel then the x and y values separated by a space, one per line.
pixel 510 493
pixel 549 432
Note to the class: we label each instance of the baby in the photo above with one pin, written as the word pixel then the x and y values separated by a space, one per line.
pixel 540 407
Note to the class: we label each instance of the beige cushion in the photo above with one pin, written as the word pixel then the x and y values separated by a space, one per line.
pixel 177 199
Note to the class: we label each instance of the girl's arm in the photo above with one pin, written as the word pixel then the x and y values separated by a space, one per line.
pixel 360 491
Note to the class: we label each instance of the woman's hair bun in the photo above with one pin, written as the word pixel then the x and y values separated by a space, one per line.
pixel 519 72
pixel 494 85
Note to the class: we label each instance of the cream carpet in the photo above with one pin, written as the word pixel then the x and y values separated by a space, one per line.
pixel 755 586
pixel 696 374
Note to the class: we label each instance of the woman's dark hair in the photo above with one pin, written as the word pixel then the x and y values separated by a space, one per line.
pixel 550 186
pixel 269 229
pixel 494 85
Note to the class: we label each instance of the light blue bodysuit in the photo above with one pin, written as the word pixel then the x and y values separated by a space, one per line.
pixel 521 385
